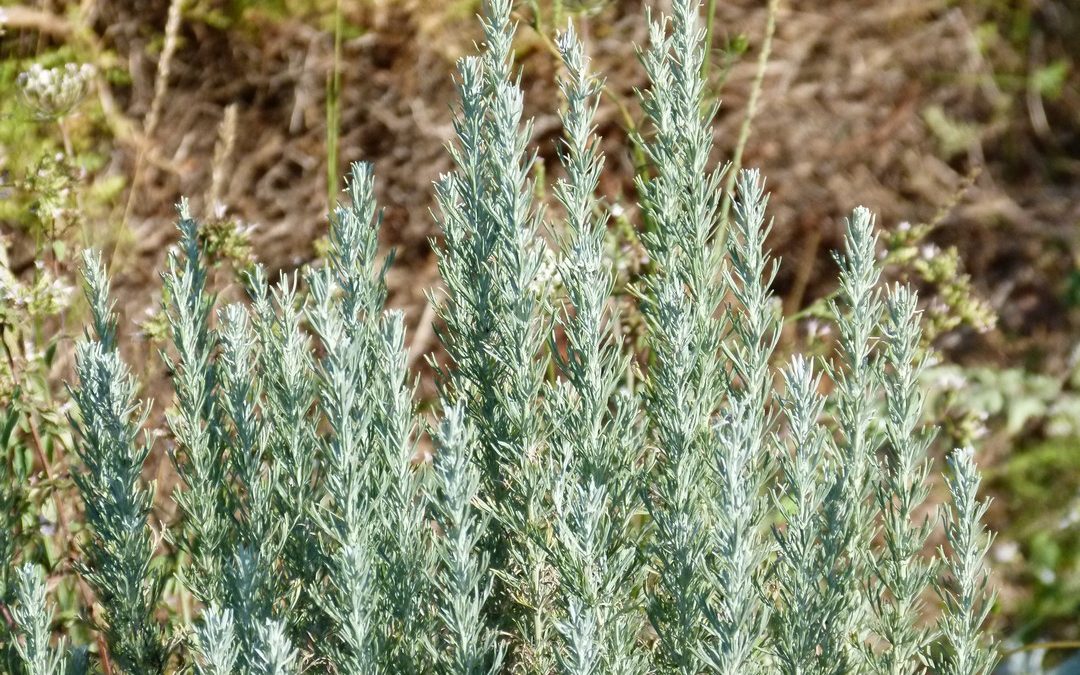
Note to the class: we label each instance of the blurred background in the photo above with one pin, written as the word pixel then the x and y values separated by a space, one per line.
pixel 957 122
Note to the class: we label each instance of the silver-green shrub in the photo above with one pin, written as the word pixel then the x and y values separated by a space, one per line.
pixel 681 302
pixel 32 619
pixel 118 555
pixel 726 514
pixel 594 429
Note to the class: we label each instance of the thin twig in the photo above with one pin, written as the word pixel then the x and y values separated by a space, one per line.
pixel 748 120
pixel 222 155
pixel 710 20
pixel 1047 646
pixel 168 50
pixel 161 86
pixel 103 655
pixel 31 18
pixel 333 112
pixel 423 333
pixel 629 123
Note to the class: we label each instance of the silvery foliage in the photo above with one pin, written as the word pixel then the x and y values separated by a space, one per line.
pixel 195 420
pixel 217 651
pixel 680 303
pixel 251 584
pixel 743 447
pixel 342 508
pixel 495 320
pixel 821 562
pixel 805 612
pixel 594 445
pixel 965 594
pixel 233 529
pixel 287 381
pixel 274 653
pixel 215 645
pixel 848 516
pixel 377 554
pixel 32 619
pixel 117 556
pixel 723 517
pixel 901 574
pixel 464 642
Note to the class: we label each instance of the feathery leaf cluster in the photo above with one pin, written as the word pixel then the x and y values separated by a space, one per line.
pixel 118 556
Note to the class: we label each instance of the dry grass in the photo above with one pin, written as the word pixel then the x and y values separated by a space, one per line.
pixel 842 120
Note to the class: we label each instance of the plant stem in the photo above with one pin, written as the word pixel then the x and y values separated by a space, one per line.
pixel 1048 646
pixel 710 19
pixel 333 112
pixel 751 111
pixel 641 163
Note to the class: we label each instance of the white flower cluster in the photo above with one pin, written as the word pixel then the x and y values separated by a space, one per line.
pixel 547 280
pixel 45 294
pixel 54 92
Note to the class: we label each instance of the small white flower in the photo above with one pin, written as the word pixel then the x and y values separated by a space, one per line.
pixel 951 380
pixel 938 306
pixel 30 351
pixel 1071 518
pixel 1006 552
pixel 817 330
pixel 547 275
pixel 53 92
pixel 60 292
pixel 246 229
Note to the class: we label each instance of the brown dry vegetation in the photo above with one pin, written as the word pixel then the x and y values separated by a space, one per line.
pixel 845 117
